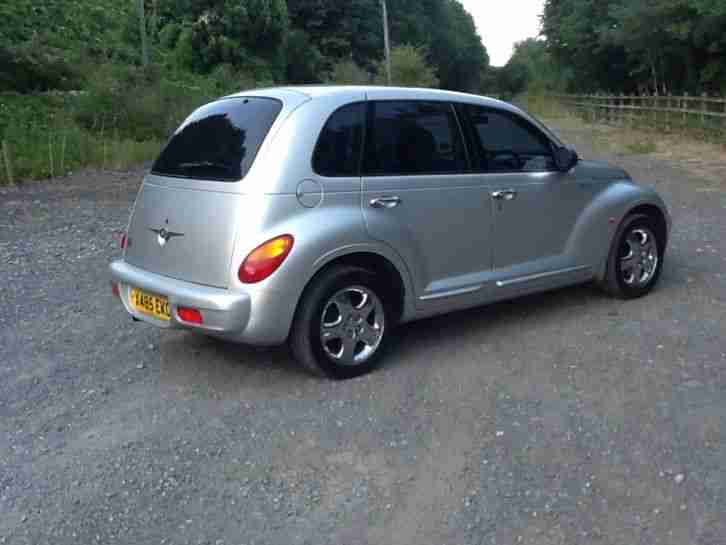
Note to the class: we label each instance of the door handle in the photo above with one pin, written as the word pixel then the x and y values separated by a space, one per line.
pixel 385 202
pixel 504 195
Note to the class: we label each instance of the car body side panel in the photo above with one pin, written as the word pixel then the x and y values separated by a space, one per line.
pixel 288 160
pixel 274 300
pixel 592 237
pixel 327 216
pixel 442 228
pixel 535 225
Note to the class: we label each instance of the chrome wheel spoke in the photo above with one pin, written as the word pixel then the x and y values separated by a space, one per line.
pixel 344 304
pixel 639 260
pixel 331 333
pixel 349 346
pixel 365 301
pixel 352 325
pixel 628 263
pixel 370 335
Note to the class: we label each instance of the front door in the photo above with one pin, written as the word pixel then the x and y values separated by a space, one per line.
pixel 418 199
pixel 535 207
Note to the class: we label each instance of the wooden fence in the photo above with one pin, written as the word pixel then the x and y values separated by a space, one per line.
pixel 700 114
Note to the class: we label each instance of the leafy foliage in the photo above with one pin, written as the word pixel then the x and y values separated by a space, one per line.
pixel 89 51
pixel 408 68
pixel 650 45
pixel 348 73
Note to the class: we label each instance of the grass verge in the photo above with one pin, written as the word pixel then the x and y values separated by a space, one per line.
pixel 122 118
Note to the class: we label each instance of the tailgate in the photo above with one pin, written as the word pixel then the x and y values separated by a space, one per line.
pixel 183 233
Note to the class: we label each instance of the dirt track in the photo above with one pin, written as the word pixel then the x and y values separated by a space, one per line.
pixel 567 417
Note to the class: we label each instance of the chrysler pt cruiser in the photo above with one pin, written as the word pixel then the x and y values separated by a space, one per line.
pixel 325 216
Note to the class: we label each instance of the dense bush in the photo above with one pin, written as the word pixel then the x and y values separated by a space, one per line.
pixel 408 68
pixel 42 140
pixel 348 73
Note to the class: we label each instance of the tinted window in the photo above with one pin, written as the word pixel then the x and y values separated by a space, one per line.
pixel 505 142
pixel 409 137
pixel 219 141
pixel 338 152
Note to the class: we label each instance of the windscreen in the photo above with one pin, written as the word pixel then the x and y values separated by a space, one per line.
pixel 219 141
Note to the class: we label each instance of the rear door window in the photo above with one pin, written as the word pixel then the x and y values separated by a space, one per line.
pixel 505 142
pixel 338 152
pixel 219 141
pixel 413 138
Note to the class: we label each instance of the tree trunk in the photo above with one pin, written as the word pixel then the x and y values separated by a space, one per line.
pixel 142 29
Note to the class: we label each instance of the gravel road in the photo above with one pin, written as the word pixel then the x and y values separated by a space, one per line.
pixel 563 418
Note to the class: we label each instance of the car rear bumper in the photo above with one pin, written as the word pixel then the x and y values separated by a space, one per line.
pixel 226 314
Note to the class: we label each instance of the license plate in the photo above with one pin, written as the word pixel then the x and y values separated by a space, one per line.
pixel 151 304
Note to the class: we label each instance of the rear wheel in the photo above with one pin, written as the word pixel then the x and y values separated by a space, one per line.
pixel 342 324
pixel 636 258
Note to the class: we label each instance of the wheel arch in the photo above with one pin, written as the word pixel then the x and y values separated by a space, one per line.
pixel 395 275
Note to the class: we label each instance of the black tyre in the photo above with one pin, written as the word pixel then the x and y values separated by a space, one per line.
pixel 342 324
pixel 635 261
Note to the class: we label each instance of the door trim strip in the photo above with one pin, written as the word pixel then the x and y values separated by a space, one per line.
pixel 450 293
pixel 539 276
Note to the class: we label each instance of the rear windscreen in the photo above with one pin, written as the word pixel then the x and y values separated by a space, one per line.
pixel 219 141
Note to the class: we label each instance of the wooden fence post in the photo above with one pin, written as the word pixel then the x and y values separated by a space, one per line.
pixel 7 162
pixel 50 154
pixel 684 114
pixel 606 101
pixel 596 108
pixel 704 109
pixel 609 110
pixel 629 112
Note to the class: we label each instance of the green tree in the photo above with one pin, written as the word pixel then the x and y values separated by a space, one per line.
pixel 650 45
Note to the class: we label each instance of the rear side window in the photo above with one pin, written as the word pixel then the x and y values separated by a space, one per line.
pixel 413 138
pixel 504 142
pixel 219 141
pixel 338 152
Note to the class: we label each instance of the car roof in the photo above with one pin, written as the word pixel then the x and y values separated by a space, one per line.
pixel 316 91
pixel 302 93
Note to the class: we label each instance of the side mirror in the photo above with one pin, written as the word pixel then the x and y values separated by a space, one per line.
pixel 565 158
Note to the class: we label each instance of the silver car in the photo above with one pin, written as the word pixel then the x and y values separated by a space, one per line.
pixel 326 216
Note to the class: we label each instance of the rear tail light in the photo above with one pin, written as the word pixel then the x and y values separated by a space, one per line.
pixel 191 315
pixel 114 289
pixel 265 259
pixel 123 239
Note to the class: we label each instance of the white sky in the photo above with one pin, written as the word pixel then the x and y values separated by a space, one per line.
pixel 501 24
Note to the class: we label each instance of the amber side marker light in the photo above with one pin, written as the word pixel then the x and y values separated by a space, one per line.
pixel 265 259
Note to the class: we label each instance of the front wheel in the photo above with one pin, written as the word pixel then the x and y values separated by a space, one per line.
pixel 342 324
pixel 636 258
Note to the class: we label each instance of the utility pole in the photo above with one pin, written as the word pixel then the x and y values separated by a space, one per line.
pixel 386 40
pixel 142 28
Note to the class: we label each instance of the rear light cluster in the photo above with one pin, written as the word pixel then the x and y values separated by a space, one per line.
pixel 190 315
pixel 265 259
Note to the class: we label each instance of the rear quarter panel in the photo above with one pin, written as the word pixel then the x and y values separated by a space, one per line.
pixel 322 234
pixel 327 227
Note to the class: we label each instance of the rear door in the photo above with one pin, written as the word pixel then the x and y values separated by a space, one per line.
pixel 418 198
pixel 185 219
